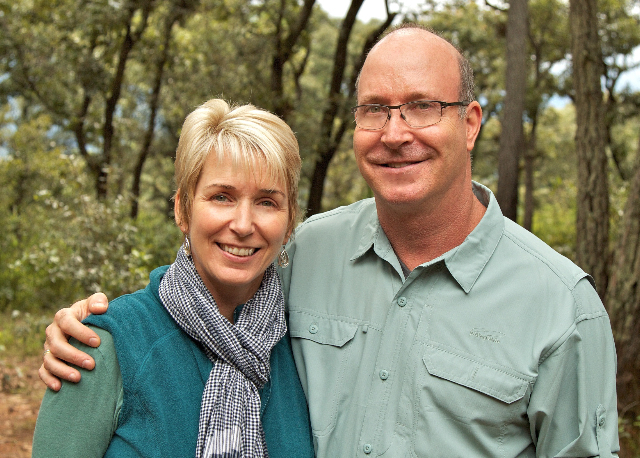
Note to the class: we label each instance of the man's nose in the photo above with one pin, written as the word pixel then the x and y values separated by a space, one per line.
pixel 396 132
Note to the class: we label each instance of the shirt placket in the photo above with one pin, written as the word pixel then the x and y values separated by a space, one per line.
pixel 398 336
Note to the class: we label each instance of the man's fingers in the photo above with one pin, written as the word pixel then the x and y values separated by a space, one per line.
pixel 97 304
pixel 66 323
pixel 52 369
pixel 49 379
pixel 58 351
pixel 61 350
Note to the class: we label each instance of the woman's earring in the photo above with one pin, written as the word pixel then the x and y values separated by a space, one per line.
pixel 187 245
pixel 283 258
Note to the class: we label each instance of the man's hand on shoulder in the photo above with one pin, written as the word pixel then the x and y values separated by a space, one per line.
pixel 57 350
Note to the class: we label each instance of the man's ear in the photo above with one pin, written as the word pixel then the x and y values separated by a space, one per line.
pixel 177 212
pixel 473 122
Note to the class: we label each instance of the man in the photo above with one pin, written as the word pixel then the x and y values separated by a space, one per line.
pixel 423 322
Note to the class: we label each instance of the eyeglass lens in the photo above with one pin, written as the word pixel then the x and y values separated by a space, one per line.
pixel 416 114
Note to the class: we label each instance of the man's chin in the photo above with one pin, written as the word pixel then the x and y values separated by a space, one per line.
pixel 399 199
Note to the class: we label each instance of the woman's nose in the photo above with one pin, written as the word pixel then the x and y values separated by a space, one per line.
pixel 242 222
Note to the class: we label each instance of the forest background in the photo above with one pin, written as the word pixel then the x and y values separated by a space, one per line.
pixel 93 95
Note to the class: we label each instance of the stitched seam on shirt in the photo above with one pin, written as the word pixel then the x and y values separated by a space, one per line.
pixel 558 344
pixel 590 316
pixel 565 335
pixel 329 316
pixel 545 261
pixel 497 368
pixel 500 395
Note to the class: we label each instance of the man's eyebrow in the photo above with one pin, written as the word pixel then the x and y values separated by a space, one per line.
pixel 377 100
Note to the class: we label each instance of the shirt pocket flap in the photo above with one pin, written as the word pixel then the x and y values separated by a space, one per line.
pixel 322 330
pixel 496 381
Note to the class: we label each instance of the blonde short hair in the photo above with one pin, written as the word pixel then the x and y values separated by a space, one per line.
pixel 251 137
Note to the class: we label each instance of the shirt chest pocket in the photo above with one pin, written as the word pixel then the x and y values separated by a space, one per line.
pixel 469 399
pixel 500 383
pixel 326 345
pixel 470 389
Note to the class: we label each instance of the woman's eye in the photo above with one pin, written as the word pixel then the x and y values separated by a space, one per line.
pixel 220 198
pixel 267 203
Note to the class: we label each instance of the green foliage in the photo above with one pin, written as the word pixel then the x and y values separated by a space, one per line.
pixel 59 243
pixel 22 334
pixel 556 180
pixel 68 248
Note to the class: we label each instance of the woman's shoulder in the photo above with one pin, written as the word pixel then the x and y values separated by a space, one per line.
pixel 87 411
pixel 130 310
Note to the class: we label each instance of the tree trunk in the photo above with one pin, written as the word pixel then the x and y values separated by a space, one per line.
pixel 512 136
pixel 529 170
pixel 623 296
pixel 154 103
pixel 328 143
pixel 592 231
pixel 284 46
pixel 132 36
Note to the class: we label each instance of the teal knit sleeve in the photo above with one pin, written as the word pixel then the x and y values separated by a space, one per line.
pixel 79 420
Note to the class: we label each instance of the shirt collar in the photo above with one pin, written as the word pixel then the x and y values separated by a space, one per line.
pixel 466 261
pixel 373 235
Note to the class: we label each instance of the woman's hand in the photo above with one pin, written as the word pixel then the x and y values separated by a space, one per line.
pixel 57 350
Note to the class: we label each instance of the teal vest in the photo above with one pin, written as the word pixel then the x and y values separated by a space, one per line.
pixel 164 373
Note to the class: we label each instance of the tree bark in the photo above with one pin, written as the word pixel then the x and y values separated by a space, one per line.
pixel 592 231
pixel 512 135
pixel 529 170
pixel 623 296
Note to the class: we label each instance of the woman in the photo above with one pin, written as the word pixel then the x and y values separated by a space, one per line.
pixel 198 362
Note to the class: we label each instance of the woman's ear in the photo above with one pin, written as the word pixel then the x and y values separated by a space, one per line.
pixel 287 237
pixel 184 227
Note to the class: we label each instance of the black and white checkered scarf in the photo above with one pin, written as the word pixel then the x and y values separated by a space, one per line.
pixel 230 424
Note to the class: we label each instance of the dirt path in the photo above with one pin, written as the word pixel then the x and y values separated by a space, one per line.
pixel 20 395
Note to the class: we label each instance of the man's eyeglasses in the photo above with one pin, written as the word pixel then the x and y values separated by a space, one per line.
pixel 421 113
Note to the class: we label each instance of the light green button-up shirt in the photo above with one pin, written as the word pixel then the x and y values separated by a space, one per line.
pixel 498 348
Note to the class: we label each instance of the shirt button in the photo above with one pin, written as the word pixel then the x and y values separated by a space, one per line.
pixel 313 328
pixel 365 328
pixel 601 422
pixel 384 374
pixel 367 448
pixel 402 301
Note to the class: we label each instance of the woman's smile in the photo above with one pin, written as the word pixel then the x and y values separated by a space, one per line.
pixel 238 251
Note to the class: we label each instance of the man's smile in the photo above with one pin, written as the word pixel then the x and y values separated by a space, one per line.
pixel 399 165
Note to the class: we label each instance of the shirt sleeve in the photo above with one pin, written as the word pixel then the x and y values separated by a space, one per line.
pixel 573 410
pixel 80 419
